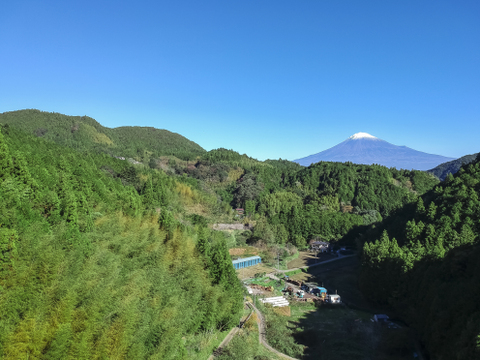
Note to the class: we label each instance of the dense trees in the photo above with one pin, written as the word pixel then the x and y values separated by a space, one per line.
pixel 103 258
pixel 326 200
pixel 432 251
pixel 98 259
pixel 85 134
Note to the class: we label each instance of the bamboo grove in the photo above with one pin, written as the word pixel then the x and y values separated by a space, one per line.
pixel 98 261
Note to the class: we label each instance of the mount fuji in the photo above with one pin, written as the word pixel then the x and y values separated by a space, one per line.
pixel 363 148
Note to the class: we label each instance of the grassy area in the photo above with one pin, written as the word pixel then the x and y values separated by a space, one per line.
pixel 285 261
pixel 294 272
pixel 307 258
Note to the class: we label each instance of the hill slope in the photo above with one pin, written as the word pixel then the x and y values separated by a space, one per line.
pixel 363 148
pixel 85 133
pixel 451 167
pixel 425 264
pixel 89 270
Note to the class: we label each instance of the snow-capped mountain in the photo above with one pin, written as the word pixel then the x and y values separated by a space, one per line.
pixel 363 148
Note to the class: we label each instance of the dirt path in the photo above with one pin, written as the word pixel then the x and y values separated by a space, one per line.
pixel 232 333
pixel 225 341
pixel 261 335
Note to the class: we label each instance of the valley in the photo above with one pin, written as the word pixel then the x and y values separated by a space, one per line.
pixel 118 243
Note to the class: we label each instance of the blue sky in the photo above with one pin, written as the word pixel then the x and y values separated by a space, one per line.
pixel 272 79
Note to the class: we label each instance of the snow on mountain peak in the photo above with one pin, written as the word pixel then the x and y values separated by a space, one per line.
pixel 362 135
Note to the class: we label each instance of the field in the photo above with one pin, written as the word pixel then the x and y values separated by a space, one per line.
pixel 249 272
pixel 243 251
pixel 307 258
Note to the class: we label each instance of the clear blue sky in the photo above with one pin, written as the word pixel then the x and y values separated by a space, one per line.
pixel 273 79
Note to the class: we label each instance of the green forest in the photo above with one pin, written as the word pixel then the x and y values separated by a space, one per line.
pixel 99 260
pixel 107 247
pixel 431 249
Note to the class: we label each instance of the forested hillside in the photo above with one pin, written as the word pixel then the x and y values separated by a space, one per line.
pixel 290 203
pixel 84 133
pixel 451 167
pixel 100 259
pixel 426 265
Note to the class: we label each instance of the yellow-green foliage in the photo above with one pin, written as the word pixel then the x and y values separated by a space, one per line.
pixel 281 201
pixel 89 269
pixel 235 174
pixel 97 137
pixel 135 297
pixel 187 194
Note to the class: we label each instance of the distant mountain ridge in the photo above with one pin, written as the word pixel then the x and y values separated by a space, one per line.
pixel 451 167
pixel 363 148
pixel 85 133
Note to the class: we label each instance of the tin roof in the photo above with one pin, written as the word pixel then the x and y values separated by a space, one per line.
pixel 246 259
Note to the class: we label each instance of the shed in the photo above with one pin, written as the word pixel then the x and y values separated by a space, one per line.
pixel 246 262
pixel 380 318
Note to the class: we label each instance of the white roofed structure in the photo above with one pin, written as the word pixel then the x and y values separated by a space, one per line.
pixel 278 301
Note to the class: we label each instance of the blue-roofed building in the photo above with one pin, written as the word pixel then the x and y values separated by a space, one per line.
pixel 246 262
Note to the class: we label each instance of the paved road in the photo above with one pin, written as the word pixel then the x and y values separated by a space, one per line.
pixel 261 335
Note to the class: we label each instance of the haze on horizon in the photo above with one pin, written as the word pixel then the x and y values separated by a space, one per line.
pixel 274 79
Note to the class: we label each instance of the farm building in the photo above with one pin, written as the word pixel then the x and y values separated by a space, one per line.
pixel 246 262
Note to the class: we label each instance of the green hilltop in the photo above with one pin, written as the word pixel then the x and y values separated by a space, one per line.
pixel 84 133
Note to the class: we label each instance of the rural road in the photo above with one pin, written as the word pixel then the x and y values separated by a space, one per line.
pixel 261 334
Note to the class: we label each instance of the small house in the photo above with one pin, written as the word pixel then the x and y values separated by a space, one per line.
pixel 320 246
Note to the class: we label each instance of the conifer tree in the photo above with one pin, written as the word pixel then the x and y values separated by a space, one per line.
pixel 5 159
pixel 420 207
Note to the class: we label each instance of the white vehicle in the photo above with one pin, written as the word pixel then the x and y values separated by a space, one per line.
pixel 334 299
